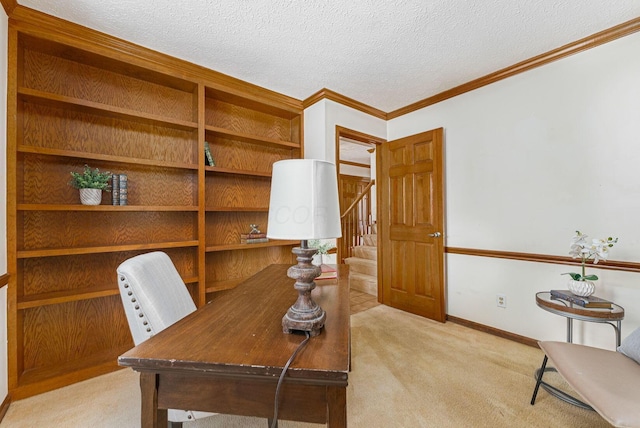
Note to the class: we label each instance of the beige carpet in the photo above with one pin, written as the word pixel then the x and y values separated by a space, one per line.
pixel 407 372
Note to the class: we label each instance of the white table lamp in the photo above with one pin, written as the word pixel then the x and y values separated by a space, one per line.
pixel 304 205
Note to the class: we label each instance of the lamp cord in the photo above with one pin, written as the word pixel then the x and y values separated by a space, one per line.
pixel 274 423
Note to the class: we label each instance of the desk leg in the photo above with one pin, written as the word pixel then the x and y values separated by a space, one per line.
pixel 569 330
pixel 151 416
pixel 336 407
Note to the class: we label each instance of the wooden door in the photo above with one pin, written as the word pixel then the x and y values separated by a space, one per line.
pixel 411 229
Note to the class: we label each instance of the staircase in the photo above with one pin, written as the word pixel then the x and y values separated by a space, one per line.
pixel 364 265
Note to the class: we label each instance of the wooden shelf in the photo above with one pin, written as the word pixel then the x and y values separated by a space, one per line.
pixel 110 208
pixel 219 170
pixel 58 297
pixel 248 138
pixel 61 101
pixel 25 254
pixel 108 158
pixel 30 382
pixel 229 247
pixel 237 209
pixel 64 297
pixel 116 64
pixel 191 280
pixel 252 101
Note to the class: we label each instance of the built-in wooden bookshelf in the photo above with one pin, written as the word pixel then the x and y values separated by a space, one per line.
pixel 118 108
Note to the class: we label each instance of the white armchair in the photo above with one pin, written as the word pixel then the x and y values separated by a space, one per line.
pixel 154 297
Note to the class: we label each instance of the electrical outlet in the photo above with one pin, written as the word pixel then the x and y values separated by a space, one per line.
pixel 501 300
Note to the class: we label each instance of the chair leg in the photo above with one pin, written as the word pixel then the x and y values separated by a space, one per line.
pixel 539 380
pixel 270 423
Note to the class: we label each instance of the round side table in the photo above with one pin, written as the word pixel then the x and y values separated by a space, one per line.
pixel 613 316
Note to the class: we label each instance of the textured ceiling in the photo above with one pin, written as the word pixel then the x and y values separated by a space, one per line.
pixel 384 53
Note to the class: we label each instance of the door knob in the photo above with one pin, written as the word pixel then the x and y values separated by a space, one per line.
pixel 435 235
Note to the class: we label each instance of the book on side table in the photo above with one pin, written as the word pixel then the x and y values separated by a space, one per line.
pixel 327 272
pixel 585 302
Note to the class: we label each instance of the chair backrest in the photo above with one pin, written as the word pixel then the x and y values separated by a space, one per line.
pixel 153 294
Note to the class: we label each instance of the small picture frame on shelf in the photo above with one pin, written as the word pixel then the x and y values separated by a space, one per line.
pixel 207 155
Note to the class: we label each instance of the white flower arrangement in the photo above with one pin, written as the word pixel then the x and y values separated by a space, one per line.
pixel 584 248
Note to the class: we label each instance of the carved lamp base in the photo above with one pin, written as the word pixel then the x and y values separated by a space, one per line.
pixel 305 314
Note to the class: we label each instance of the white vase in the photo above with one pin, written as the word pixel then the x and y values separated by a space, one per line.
pixel 90 196
pixel 318 259
pixel 582 288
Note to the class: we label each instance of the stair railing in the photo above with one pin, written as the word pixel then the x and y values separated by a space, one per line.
pixel 355 222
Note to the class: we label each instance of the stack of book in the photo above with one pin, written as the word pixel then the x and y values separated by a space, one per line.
pixel 253 238
pixel 327 272
pixel 119 189
pixel 585 302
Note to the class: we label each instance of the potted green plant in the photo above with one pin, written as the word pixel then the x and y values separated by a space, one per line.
pixel 323 248
pixel 91 183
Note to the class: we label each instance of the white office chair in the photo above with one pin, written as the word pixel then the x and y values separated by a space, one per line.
pixel 154 297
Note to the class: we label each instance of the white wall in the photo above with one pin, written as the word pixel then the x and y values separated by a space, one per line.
pixel 320 121
pixel 3 205
pixel 529 160
pixel 356 171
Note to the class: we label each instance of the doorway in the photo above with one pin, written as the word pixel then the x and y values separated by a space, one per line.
pixel 356 160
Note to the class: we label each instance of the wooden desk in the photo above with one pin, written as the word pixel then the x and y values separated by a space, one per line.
pixel 226 357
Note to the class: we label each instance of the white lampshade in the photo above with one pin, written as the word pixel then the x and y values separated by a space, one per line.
pixel 304 200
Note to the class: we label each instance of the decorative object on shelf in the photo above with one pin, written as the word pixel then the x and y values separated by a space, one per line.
pixel 124 189
pixel 323 248
pixel 90 196
pixel 584 248
pixel 115 189
pixel 208 155
pixel 254 236
pixel 91 183
pixel 304 205
pixel 254 240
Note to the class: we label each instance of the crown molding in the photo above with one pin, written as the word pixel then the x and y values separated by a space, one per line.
pixel 9 6
pixel 589 42
pixel 346 101
pixel 586 43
